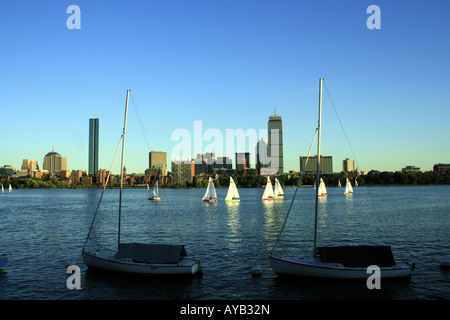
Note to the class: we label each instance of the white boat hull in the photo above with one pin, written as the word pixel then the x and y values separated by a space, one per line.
pixel 313 267
pixel 110 263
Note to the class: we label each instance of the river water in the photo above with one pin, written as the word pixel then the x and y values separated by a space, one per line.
pixel 43 231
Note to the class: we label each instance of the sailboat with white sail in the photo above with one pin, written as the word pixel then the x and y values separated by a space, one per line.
pixel 322 189
pixel 9 188
pixel 348 188
pixel 268 191
pixel 233 193
pixel 138 258
pixel 210 194
pixel 155 192
pixel 340 262
pixel 278 192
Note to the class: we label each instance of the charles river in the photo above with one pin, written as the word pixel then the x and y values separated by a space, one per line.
pixel 43 231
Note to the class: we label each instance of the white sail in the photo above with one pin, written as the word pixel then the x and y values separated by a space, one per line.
pixel 348 188
pixel 10 188
pixel 339 183
pixel 233 194
pixel 155 189
pixel 356 183
pixel 3 189
pixel 210 194
pixel 268 191
pixel 322 189
pixel 278 193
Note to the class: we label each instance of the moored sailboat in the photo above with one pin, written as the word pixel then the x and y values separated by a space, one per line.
pixel 210 194
pixel 232 194
pixel 138 258
pixel 341 262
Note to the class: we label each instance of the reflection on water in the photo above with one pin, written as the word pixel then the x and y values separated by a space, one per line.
pixel 228 237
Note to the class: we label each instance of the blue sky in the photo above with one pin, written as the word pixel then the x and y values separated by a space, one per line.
pixel 226 63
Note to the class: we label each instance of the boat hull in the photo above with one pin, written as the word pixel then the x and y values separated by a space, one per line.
pixel 154 198
pixel 314 268
pixel 110 263
pixel 209 200
pixel 232 200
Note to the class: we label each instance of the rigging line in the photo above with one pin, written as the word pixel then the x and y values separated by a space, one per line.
pixel 350 146
pixel 148 146
pixel 104 187
pixel 140 123
pixel 295 193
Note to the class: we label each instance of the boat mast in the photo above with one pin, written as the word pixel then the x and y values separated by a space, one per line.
pixel 319 129
pixel 121 166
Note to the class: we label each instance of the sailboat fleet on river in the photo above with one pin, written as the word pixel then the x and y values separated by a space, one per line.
pixel 341 262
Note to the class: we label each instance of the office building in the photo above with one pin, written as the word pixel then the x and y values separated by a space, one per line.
pixel 183 171
pixel 54 163
pixel 262 160
pixel 275 149
pixel 242 162
pixel 93 146
pixel 326 164
pixel 28 164
pixel 348 165
pixel 158 161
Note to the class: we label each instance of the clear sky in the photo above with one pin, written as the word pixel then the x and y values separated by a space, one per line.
pixel 226 63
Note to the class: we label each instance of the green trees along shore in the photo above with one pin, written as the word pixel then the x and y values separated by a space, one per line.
pixel 372 178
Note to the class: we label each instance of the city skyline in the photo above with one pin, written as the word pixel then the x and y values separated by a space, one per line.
pixel 227 64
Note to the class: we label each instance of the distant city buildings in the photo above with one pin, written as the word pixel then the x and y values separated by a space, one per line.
pixel 326 164
pixel 275 147
pixel 411 169
pixel 28 164
pixel 93 146
pixel 242 162
pixel 158 162
pixel 54 163
pixel 348 165
pixel 262 159
pixel 182 171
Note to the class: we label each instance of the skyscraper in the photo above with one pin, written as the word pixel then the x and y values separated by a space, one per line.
pixel 275 149
pixel 93 146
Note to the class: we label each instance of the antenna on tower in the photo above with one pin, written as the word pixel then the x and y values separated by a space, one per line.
pixel 275 110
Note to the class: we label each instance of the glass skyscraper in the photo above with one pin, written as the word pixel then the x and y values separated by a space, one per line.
pixel 93 146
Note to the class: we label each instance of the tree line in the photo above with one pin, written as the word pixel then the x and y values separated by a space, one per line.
pixel 372 178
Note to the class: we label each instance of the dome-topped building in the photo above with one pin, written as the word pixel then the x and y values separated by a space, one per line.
pixel 54 163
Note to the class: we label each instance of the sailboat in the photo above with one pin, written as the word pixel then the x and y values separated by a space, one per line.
pixel 155 193
pixel 3 189
pixel 9 188
pixel 348 188
pixel 322 189
pixel 341 262
pixel 268 191
pixel 278 193
pixel 339 183
pixel 210 194
pixel 232 194
pixel 139 258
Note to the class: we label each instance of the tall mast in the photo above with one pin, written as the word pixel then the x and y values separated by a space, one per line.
pixel 319 129
pixel 121 166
